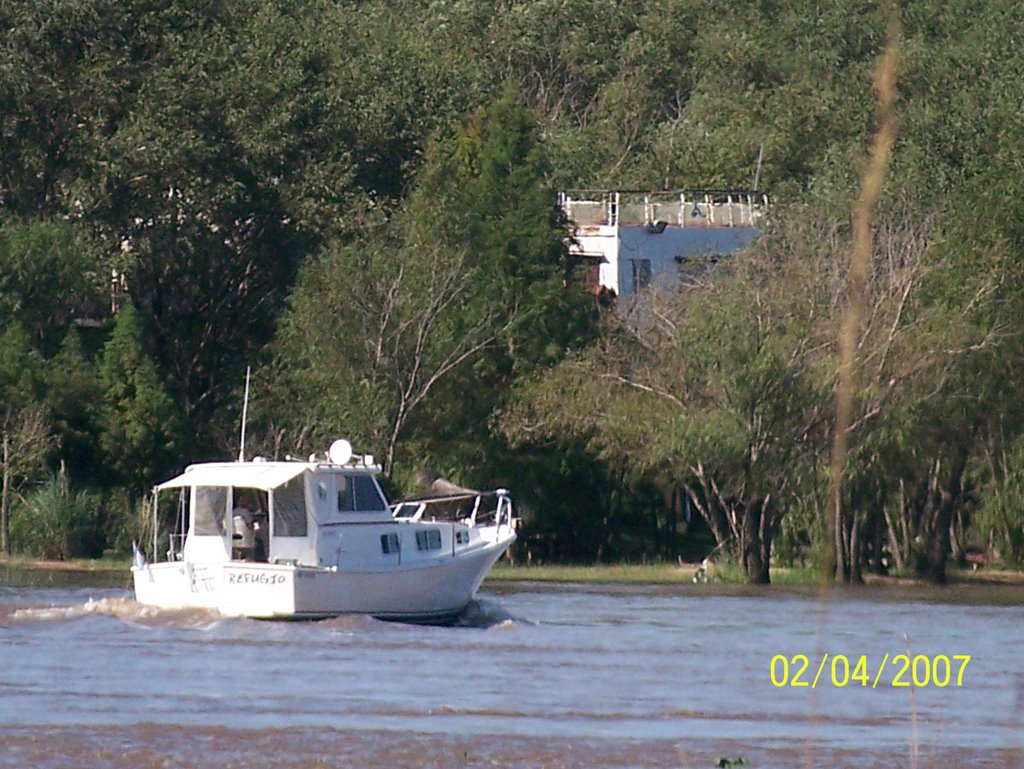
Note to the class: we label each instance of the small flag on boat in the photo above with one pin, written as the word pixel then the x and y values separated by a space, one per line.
pixel 138 559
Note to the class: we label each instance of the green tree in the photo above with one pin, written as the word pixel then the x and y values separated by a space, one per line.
pixel 1000 521
pixel 24 427
pixel 976 292
pixel 51 276
pixel 73 398
pixel 708 391
pixel 53 99
pixel 365 342
pixel 137 417
pixel 490 184
pixel 411 336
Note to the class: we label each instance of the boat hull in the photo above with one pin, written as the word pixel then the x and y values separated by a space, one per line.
pixel 427 591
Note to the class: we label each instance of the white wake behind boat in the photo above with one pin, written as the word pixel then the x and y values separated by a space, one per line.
pixel 317 538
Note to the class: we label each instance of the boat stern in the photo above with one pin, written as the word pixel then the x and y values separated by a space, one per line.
pixel 234 589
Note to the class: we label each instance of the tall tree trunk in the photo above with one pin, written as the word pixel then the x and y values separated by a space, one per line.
pixel 854 575
pixel 673 523
pixel 656 541
pixel 708 508
pixel 838 551
pixel 757 531
pixel 895 544
pixel 956 537
pixel 941 508
pixel 841 543
pixel 5 521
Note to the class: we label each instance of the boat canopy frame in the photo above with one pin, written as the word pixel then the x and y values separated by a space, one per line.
pixel 260 476
pixel 265 477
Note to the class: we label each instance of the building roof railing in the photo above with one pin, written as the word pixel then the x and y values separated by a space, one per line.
pixel 681 208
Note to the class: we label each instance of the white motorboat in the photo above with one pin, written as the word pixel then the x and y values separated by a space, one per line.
pixel 317 538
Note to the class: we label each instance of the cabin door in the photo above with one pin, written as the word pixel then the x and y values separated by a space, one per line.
pixel 289 523
pixel 209 534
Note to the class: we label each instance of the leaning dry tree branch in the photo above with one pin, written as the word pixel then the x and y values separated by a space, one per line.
pixel 860 265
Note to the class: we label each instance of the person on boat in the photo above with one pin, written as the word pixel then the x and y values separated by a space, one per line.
pixel 245 508
pixel 244 518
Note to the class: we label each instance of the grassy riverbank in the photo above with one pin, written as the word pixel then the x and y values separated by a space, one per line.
pixel 640 574
pixel 659 574
pixel 107 564
pixel 625 574
pixel 668 574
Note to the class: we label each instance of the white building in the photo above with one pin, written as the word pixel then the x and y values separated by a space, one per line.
pixel 629 240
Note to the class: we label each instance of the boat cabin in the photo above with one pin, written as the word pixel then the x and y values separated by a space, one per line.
pixel 274 512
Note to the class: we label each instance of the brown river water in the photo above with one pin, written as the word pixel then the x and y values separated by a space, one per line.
pixel 534 676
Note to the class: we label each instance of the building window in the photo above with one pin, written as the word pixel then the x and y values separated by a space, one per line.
pixel 429 539
pixel 641 273
pixel 389 544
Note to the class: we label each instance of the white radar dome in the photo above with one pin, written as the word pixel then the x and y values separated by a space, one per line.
pixel 340 452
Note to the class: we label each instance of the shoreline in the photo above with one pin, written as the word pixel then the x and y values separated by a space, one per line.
pixel 626 574
pixel 672 574
pixel 74 566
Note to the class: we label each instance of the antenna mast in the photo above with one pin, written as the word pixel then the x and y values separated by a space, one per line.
pixel 245 414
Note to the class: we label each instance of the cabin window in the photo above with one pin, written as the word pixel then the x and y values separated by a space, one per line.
pixel 389 544
pixel 461 537
pixel 428 540
pixel 359 492
pixel 367 495
pixel 210 511
pixel 290 509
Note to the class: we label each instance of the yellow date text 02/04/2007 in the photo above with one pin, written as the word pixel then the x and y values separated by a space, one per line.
pixel 840 670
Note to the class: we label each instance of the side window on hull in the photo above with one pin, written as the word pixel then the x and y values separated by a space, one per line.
pixel 430 539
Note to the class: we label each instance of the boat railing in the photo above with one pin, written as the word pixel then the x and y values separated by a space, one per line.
pixel 492 508
pixel 175 546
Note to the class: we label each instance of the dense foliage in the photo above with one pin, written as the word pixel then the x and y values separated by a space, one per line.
pixel 357 200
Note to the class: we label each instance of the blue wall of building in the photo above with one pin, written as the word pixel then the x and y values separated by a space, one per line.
pixel 664 251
